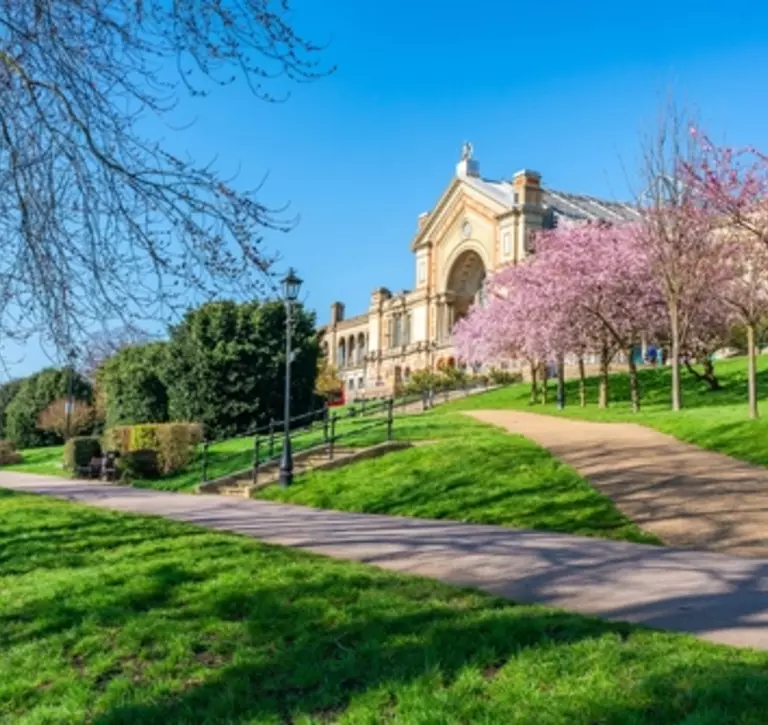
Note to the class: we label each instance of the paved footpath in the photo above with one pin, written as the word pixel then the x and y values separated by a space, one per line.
pixel 687 496
pixel 717 597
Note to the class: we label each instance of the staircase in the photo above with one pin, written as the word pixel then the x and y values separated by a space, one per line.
pixel 313 459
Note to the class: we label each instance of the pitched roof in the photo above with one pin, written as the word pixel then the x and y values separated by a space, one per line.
pixel 561 204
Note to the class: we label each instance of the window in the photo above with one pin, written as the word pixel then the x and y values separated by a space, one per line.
pixel 407 330
pixel 360 384
pixel 351 383
pixel 516 198
pixel 398 331
pixel 422 272
pixel 507 244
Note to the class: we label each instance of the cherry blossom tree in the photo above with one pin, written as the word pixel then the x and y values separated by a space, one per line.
pixel 675 228
pixel 602 274
pixel 734 183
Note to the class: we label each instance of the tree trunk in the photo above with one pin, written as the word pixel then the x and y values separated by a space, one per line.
pixel 560 382
pixel 544 384
pixel 674 358
pixel 634 390
pixel 604 366
pixel 752 371
pixel 534 382
pixel 708 376
pixel 582 383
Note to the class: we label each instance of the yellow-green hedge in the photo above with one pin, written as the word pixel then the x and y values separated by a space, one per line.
pixel 174 443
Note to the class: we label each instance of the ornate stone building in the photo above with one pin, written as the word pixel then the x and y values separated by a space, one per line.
pixel 477 227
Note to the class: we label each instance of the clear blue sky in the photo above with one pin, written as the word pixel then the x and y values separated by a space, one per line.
pixel 563 88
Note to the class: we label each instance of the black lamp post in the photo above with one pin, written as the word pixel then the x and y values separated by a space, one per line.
pixel 291 286
pixel 70 393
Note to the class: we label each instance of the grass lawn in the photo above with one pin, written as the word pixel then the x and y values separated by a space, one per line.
pixel 46 461
pixel 715 420
pixel 112 619
pixel 470 472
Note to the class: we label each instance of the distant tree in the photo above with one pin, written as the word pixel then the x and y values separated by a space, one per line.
pixel 131 385
pixel 34 395
pixel 327 383
pixel 103 345
pixel 226 365
pixel 98 219
pixel 7 393
pixel 54 419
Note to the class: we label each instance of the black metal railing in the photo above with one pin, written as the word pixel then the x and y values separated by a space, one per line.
pixel 268 439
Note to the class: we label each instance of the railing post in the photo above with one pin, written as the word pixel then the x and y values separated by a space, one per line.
pixel 363 407
pixel 271 437
pixel 205 461
pixel 390 417
pixel 325 423
pixel 256 456
pixel 332 439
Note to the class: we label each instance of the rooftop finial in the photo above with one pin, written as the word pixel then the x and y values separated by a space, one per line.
pixel 467 166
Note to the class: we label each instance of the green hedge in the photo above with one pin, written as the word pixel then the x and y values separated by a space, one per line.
pixel 143 463
pixel 174 443
pixel 80 450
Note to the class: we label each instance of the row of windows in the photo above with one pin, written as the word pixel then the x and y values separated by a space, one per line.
pixel 399 330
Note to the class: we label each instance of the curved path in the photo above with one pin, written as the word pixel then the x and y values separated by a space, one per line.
pixel 686 495
pixel 722 598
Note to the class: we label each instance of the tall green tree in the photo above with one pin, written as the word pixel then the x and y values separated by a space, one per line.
pixel 226 365
pixel 34 395
pixel 132 385
pixel 7 393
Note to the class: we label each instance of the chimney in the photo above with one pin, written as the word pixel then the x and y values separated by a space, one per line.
pixel 527 186
pixel 423 217
pixel 337 313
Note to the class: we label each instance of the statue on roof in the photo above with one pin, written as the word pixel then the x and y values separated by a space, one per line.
pixel 466 151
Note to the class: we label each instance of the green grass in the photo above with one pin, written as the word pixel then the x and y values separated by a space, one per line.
pixel 46 461
pixel 472 472
pixel 111 619
pixel 715 420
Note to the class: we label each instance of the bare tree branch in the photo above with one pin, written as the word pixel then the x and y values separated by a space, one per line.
pixel 98 222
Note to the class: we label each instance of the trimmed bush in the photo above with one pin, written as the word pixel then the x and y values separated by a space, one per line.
pixel 145 437
pixel 174 443
pixel 79 451
pixel 139 464
pixel 504 377
pixel 8 454
pixel 119 438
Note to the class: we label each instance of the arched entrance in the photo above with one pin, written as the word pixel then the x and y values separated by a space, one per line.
pixel 465 285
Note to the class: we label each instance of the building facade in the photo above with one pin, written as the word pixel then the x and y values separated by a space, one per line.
pixel 477 227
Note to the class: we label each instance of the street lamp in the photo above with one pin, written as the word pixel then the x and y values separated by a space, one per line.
pixel 291 287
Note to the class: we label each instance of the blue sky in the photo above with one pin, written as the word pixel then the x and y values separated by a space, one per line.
pixel 563 88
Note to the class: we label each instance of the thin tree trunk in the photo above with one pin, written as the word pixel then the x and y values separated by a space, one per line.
pixel 582 383
pixel 752 371
pixel 534 382
pixel 560 382
pixel 634 390
pixel 604 366
pixel 544 384
pixel 674 325
pixel 708 376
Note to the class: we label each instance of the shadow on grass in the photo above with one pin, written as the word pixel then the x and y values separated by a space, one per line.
pixel 486 659
pixel 167 624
